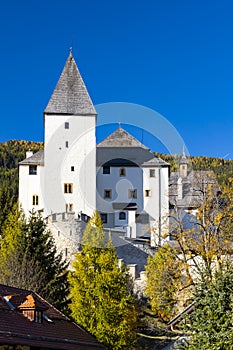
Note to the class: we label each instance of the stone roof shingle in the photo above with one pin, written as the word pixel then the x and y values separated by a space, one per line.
pixel 70 95
pixel 35 159
pixel 120 145
pixel 120 138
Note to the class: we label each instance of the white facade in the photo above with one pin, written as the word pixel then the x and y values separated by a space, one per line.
pixel 146 212
pixel 71 174
pixel 70 152
pixel 30 192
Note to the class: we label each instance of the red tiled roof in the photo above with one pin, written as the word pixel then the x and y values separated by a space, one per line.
pixel 56 331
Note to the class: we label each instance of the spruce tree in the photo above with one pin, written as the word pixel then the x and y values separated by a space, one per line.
pixel 101 299
pixel 210 324
pixel 29 259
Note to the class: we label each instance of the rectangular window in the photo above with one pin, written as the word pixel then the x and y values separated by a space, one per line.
pixel 54 217
pixel 67 125
pixel 72 168
pixel 133 193
pixel 67 144
pixel 104 218
pixel 122 172
pixel 152 172
pixel 147 193
pixel 106 170
pixel 107 193
pixel 68 188
pixel 38 316
pixel 32 169
pixel 71 207
pixel 35 199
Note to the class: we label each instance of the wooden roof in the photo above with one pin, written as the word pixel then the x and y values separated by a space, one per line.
pixel 55 332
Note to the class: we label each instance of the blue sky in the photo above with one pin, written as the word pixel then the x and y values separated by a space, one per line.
pixel 172 56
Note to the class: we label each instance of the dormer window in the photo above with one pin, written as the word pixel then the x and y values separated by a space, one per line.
pixel 28 305
pixel 33 315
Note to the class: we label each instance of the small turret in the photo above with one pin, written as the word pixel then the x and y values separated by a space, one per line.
pixel 183 165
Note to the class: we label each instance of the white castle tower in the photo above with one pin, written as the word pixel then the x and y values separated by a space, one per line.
pixel 63 177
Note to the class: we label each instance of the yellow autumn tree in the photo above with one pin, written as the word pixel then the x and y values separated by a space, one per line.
pixel 101 299
pixel 164 281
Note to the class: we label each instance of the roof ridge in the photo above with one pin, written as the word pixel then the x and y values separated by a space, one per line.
pixel 121 138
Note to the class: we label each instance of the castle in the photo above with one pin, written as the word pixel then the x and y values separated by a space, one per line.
pixel 131 188
pixel 72 176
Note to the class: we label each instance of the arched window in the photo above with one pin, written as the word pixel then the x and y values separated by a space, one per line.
pixel 122 215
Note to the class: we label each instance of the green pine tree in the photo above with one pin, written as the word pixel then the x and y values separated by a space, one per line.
pixel 101 299
pixel 210 324
pixel 29 259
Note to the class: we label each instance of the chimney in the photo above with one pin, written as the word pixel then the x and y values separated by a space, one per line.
pixel 29 154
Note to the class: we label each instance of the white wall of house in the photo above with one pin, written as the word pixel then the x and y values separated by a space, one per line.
pixel 152 198
pixel 70 158
pixel 29 186
pixel 161 207
pixel 120 187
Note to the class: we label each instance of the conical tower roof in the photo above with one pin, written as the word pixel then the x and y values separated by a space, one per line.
pixel 183 158
pixel 70 95
pixel 121 138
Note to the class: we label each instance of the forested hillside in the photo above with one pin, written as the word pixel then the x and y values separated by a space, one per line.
pixel 221 167
pixel 12 152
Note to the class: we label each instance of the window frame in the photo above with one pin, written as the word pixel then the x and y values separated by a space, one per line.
pixel 147 192
pixel 133 193
pixel 71 207
pixel 152 173
pixel 32 169
pixel 107 190
pixel 104 221
pixel 106 170
pixel 121 214
pixel 35 200
pixel 122 171
pixel 68 187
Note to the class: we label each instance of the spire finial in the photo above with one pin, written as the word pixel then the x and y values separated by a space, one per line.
pixel 119 125
pixel 183 153
pixel 71 49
